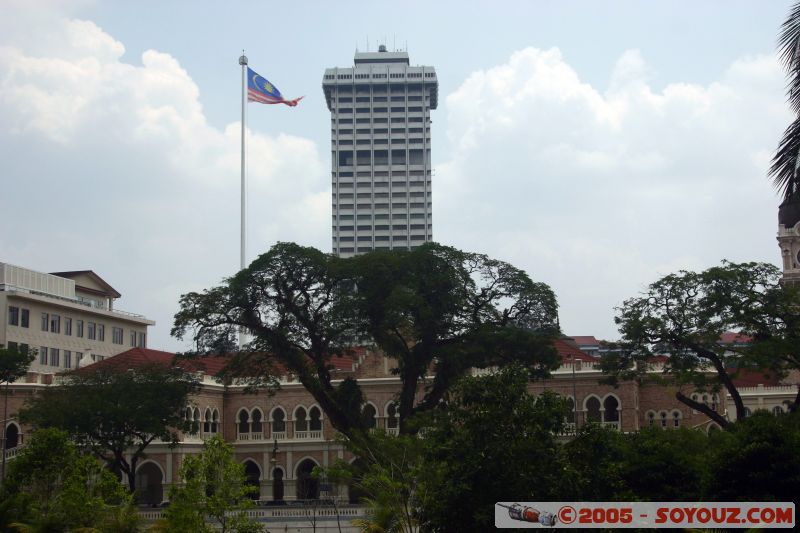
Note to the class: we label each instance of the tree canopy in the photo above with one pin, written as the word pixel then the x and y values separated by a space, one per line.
pixel 214 488
pixel 115 413
pixel 686 314
pixel 14 363
pixel 436 310
pixel 51 487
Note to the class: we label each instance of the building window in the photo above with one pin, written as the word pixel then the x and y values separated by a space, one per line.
pixel 13 316
pixel 278 421
pixel 67 326
pixel 42 355
pixel 676 419
pixel 25 318
pixel 315 422
pixel 54 356
pixel 368 415
pixel 133 339
pixel 91 331
pixel 142 340
pixel 78 357
pixel 391 417
pixel 67 359
pixel 116 335
pixel 79 328
pixel 45 321
pixel 101 332
pixel 55 323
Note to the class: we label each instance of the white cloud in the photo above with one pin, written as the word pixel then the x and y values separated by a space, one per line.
pixel 114 167
pixel 599 192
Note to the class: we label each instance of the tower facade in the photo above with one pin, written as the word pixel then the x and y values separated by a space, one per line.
pixel 380 152
pixel 789 240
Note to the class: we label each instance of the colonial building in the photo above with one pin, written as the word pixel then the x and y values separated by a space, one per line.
pixel 281 438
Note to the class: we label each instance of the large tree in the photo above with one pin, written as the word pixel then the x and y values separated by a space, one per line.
pixel 436 310
pixel 116 413
pixel 685 314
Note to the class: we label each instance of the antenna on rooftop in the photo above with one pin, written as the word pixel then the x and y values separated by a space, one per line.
pixel 394 42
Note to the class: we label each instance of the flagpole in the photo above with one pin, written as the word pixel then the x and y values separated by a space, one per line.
pixel 243 63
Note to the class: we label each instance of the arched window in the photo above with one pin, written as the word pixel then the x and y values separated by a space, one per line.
pixel 747 411
pixel 610 409
pixel 277 484
pixel 149 484
pixel 777 410
pixel 214 421
pixel 244 425
pixel 593 410
pixel 307 485
pixel 368 415
pixel 676 418
pixel 278 421
pixel 12 436
pixel 253 479
pixel 651 418
pixel 207 421
pixel 315 422
pixel 392 420
pixel 300 421
pixel 196 417
pixel 663 415
pixel 255 422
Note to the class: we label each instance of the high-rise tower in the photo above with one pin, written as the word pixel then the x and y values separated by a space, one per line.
pixel 380 152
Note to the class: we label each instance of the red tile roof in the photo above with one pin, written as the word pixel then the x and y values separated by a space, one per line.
pixel 731 337
pixel 584 340
pixel 568 352
pixel 753 378
pixel 211 366
pixel 136 357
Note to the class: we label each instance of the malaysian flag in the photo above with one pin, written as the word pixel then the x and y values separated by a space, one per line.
pixel 262 91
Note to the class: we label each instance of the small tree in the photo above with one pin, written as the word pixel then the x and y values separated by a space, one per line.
pixel 59 490
pixel 214 488
pixel 14 363
pixel 116 413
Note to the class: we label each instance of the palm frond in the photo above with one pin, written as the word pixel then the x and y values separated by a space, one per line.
pixel 789 54
pixel 784 171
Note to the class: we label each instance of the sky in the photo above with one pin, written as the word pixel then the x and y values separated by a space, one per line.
pixel 597 145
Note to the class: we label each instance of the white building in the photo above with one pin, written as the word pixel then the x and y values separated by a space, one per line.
pixel 67 317
pixel 381 152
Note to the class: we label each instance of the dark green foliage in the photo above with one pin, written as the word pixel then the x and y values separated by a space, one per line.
pixel 50 487
pixel 593 463
pixel 435 310
pixel 14 363
pixel 113 412
pixel 214 489
pixel 757 461
pixel 665 465
pixel 492 441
